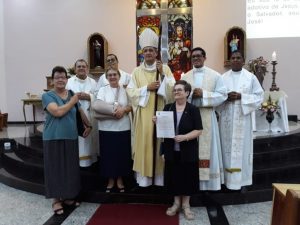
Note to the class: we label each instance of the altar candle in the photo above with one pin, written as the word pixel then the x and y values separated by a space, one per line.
pixel 274 56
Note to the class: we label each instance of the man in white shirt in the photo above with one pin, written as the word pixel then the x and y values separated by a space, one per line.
pixel 86 86
pixel 208 91
pixel 113 62
pixel 245 95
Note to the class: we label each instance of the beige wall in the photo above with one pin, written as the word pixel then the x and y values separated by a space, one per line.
pixel 39 34
pixel 3 105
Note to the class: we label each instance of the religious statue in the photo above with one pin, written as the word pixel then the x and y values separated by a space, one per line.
pixel 235 39
pixel 234 43
pixel 97 53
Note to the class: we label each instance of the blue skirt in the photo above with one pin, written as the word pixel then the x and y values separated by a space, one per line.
pixel 115 153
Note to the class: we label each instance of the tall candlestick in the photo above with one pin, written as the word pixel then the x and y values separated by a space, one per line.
pixel 274 56
pixel 274 86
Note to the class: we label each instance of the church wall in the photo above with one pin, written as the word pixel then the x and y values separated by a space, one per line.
pixel 216 17
pixel 41 34
pixel 3 105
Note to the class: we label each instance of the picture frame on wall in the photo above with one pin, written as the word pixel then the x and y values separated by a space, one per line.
pixel 235 39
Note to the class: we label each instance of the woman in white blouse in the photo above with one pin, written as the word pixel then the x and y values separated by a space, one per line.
pixel 114 133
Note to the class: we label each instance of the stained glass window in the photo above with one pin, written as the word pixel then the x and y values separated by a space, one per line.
pixel 173 19
pixel 148 4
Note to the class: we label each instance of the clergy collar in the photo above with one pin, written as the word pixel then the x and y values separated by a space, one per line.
pixel 236 72
pixel 199 70
pixel 81 80
pixel 149 68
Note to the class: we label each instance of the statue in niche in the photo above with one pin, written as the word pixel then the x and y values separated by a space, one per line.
pixel 97 53
pixel 235 39
pixel 234 43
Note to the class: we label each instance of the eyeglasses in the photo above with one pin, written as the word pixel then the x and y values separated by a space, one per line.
pixel 177 90
pixel 197 56
pixel 81 66
pixel 111 60
pixel 112 75
pixel 59 77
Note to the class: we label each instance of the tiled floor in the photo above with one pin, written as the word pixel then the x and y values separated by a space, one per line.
pixel 23 208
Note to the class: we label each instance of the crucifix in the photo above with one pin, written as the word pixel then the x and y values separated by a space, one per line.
pixel 173 18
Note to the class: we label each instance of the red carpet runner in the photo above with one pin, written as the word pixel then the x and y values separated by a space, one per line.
pixel 132 214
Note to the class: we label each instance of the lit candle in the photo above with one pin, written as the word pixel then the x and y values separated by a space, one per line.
pixel 274 56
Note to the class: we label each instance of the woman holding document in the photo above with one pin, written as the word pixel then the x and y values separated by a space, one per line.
pixel 181 176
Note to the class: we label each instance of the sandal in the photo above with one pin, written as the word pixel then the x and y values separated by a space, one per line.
pixel 71 203
pixel 58 211
pixel 188 214
pixel 109 190
pixel 122 190
pixel 173 210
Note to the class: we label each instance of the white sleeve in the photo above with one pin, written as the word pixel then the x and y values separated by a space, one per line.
pixel 215 97
pixel 252 101
pixel 139 96
pixel 144 96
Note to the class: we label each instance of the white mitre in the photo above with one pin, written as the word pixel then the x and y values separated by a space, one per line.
pixel 148 38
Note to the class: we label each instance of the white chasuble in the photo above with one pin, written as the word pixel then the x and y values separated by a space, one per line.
pixel 236 127
pixel 210 156
pixel 143 102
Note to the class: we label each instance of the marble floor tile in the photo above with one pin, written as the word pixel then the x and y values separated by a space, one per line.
pixel 23 208
pixel 82 214
pixel 201 217
pixel 249 214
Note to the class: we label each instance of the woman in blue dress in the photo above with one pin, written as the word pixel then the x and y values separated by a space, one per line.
pixel 60 140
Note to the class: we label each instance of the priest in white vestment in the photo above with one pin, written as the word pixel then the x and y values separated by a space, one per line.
pixel 245 95
pixel 208 91
pixel 113 62
pixel 86 86
pixel 142 89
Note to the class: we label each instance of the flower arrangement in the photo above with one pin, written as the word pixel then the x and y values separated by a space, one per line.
pixel 270 107
pixel 258 65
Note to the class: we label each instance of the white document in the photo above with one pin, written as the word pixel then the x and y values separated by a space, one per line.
pixel 165 124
